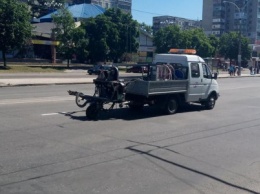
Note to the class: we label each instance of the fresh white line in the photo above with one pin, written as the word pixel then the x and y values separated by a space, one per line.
pixel 55 113
pixel 34 100
pixel 49 114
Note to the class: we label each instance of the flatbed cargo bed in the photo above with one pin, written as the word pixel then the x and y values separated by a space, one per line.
pixel 149 88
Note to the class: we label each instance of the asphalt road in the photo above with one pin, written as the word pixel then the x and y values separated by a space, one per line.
pixel 68 74
pixel 48 146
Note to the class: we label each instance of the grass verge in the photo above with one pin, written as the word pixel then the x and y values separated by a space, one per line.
pixel 32 69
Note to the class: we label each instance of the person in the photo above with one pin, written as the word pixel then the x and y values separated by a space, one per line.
pixel 231 69
pixel 235 70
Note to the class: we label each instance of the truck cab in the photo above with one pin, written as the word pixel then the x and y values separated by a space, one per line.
pixel 202 82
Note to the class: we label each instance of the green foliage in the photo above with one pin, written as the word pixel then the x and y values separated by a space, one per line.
pixel 229 44
pixel 173 37
pixel 214 42
pixel 72 39
pixel 146 28
pixel 111 35
pixel 199 41
pixel 167 38
pixel 15 27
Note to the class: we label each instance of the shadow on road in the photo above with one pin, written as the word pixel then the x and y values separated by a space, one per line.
pixel 129 114
pixel 148 153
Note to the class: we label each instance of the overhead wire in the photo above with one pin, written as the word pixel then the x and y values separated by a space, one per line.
pixel 148 12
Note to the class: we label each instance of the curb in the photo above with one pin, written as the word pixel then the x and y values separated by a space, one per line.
pixel 2 84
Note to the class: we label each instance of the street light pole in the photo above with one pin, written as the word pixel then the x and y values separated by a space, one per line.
pixel 239 37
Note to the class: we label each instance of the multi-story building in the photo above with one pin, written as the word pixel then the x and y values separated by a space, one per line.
pixel 125 5
pixel 207 16
pixel 163 21
pixel 220 16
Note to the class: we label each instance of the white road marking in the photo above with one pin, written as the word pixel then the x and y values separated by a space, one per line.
pixel 55 113
pixel 35 100
pixel 50 114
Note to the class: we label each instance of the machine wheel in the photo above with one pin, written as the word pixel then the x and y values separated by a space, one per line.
pixel 210 103
pixel 80 101
pixel 92 111
pixel 171 106
pixel 135 106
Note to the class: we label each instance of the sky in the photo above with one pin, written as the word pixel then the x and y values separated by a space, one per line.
pixel 145 10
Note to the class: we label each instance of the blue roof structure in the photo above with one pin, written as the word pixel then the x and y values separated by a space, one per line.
pixel 79 11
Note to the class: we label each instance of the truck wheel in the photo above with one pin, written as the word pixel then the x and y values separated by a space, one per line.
pixel 210 103
pixel 92 111
pixel 171 106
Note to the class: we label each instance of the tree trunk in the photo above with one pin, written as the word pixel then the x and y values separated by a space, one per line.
pixel 4 57
pixel 68 63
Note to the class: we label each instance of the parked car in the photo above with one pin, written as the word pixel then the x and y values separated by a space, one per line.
pixel 96 69
pixel 137 69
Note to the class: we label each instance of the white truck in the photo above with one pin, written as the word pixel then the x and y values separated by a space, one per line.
pixel 173 80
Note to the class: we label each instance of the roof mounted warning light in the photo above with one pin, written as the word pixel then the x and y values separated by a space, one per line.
pixel 182 51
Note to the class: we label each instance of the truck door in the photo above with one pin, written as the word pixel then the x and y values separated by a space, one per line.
pixel 195 86
pixel 206 81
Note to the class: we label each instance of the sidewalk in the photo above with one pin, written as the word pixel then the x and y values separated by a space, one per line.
pixel 29 81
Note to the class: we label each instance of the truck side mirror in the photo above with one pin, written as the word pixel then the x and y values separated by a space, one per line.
pixel 215 75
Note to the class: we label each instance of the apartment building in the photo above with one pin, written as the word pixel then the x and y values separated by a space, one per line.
pixel 163 21
pixel 220 16
pixel 124 5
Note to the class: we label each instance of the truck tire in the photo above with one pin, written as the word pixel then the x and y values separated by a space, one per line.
pixel 171 106
pixel 92 111
pixel 210 103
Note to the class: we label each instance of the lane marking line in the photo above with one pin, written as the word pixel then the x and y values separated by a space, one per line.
pixel 55 113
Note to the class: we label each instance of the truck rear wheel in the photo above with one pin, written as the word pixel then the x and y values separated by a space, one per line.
pixel 171 106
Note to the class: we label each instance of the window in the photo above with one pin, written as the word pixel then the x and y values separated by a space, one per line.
pixel 180 71
pixel 206 71
pixel 195 70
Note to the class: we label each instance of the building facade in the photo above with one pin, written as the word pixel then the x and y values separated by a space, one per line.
pixel 207 16
pixel 146 49
pixel 124 5
pixel 220 16
pixel 163 21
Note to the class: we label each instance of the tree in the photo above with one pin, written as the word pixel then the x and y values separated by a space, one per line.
pixel 200 42
pixel 229 44
pixel 71 39
pixel 173 37
pixel 214 42
pixel 169 37
pixel 111 35
pixel 15 26
pixel 146 28
pixel 126 30
pixel 97 30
